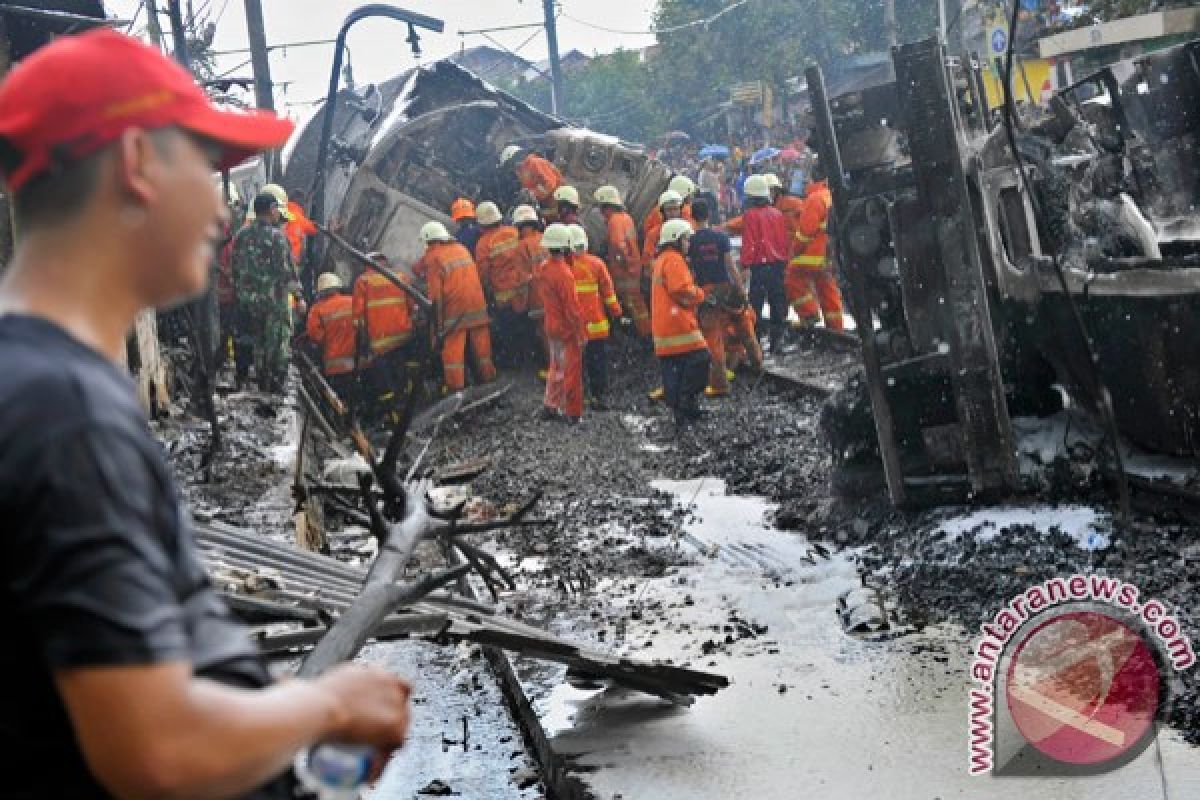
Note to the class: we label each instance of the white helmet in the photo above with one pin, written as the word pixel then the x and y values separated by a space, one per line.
pixel 579 238
pixel 758 186
pixel 435 231
pixel 523 214
pixel 557 237
pixel 608 196
pixel 327 281
pixel 670 198
pixel 507 154
pixel 487 213
pixel 773 181
pixel 682 184
pixel 280 195
pixel 567 194
pixel 673 230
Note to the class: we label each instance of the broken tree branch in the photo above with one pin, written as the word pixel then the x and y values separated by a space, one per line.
pixel 353 628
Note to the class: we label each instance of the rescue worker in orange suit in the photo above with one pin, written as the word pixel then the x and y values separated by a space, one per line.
pixel 385 318
pixel 533 256
pixel 460 310
pixel 678 341
pixel 462 212
pixel 811 285
pixel 670 206
pixel 535 174
pixel 686 189
pixel 624 257
pixel 505 272
pixel 598 301
pixel 566 199
pixel 710 254
pixel 330 326
pixel 566 328
pixel 765 251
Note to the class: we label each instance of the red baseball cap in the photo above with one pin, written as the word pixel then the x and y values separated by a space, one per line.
pixel 78 93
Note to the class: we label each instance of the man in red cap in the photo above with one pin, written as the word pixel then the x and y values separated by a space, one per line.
pixel 123 673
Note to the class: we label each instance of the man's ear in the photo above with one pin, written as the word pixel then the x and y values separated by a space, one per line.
pixel 138 159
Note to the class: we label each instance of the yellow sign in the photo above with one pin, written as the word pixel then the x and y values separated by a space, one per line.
pixel 1032 82
pixel 746 94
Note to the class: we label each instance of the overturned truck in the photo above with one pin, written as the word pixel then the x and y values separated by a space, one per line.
pixel 402 151
pixel 969 283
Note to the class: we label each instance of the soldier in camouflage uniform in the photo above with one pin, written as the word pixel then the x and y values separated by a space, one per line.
pixel 262 273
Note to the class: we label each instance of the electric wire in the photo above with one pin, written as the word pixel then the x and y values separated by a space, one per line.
pixel 1103 398
pixel 705 22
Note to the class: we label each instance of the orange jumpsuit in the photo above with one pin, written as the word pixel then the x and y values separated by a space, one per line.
pixel 540 177
pixel 383 312
pixel 330 326
pixel 566 332
pixel 678 341
pixel 674 299
pixel 461 313
pixel 625 267
pixel 810 270
pixel 504 267
pixel 297 229
pixel 652 226
pixel 594 287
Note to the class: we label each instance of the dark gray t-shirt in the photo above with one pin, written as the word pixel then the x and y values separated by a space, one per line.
pixel 97 563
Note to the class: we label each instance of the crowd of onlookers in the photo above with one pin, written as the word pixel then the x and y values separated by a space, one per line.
pixel 722 177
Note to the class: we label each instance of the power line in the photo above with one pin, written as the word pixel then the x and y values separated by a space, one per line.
pixel 705 22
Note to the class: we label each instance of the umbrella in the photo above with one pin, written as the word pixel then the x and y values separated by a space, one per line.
pixel 714 151
pixel 763 155
pixel 676 136
pixel 789 154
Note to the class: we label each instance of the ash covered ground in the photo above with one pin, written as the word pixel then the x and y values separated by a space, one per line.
pixel 604 528
pixel 606 520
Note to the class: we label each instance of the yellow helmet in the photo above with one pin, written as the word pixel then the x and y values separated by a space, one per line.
pixel 758 186
pixel 608 196
pixel 507 154
pixel 567 194
pixel 487 213
pixel 327 281
pixel 673 230
pixel 557 237
pixel 280 194
pixel 435 232
pixel 523 214
pixel 683 185
pixel 670 198
pixel 773 181
pixel 579 238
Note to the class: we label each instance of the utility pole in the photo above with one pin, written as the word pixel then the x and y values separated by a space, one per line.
pixel 557 101
pixel 178 34
pixel 152 25
pixel 261 64
pixel 890 29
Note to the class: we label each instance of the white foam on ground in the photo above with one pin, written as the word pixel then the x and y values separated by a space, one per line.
pixel 856 718
pixel 1085 525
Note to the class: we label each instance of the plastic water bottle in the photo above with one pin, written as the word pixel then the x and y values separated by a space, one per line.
pixel 335 771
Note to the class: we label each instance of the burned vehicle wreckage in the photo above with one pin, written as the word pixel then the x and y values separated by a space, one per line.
pixel 973 297
pixel 403 151
pixel 939 242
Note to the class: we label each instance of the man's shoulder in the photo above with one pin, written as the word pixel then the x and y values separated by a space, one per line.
pixel 53 385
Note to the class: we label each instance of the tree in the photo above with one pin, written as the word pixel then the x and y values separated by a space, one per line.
pixel 608 94
pixel 702 52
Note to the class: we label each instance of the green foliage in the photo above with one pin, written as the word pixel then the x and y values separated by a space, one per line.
pixel 693 68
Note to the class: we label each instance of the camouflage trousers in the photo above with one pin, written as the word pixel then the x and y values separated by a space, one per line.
pixel 263 335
